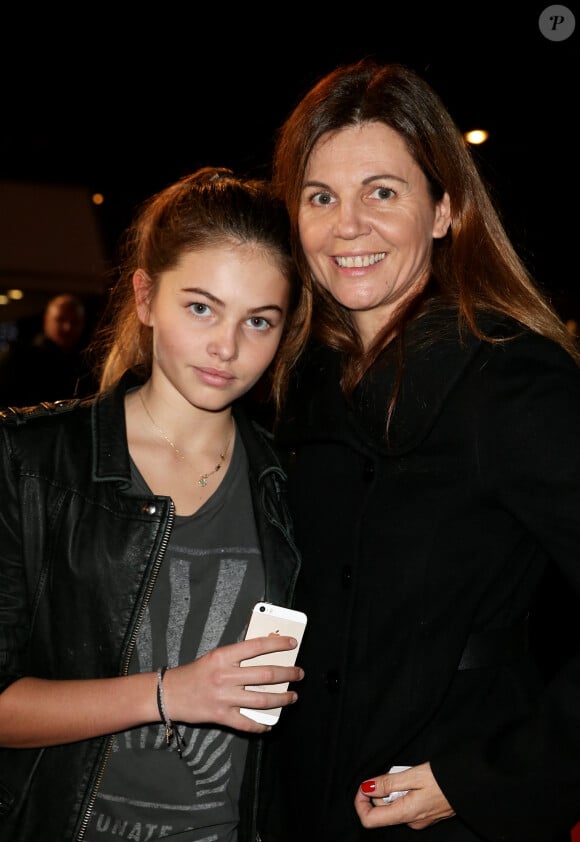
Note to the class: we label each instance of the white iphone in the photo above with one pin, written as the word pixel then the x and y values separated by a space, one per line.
pixel 267 619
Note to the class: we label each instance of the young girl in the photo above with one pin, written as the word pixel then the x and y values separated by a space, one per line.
pixel 138 528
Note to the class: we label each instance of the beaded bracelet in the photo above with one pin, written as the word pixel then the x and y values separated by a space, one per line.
pixel 170 729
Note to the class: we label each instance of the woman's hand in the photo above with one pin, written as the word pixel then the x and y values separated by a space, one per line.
pixel 423 805
pixel 211 688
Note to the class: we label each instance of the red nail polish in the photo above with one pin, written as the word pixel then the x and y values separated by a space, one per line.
pixel 368 787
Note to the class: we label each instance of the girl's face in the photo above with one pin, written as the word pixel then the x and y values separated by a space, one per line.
pixel 367 222
pixel 217 321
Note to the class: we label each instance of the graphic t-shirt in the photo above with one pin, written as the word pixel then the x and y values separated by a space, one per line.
pixel 210 578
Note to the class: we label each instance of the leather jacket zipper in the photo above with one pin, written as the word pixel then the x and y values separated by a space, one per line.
pixel 125 670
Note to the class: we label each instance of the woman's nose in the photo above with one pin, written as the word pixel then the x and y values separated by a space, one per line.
pixel 350 220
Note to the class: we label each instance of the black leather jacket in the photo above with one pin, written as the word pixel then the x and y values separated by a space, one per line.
pixel 78 560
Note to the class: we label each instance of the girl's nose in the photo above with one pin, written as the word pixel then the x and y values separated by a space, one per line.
pixel 223 343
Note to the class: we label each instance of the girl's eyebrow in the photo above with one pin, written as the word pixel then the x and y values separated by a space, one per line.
pixel 267 307
pixel 200 291
pixel 204 292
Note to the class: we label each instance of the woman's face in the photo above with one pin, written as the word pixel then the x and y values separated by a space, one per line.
pixel 367 222
pixel 217 322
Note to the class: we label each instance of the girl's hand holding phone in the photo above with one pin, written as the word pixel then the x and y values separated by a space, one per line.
pixel 272 621
pixel 213 687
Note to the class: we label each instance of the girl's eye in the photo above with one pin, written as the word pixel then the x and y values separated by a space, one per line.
pixel 200 309
pixel 259 323
pixel 321 199
pixel 383 193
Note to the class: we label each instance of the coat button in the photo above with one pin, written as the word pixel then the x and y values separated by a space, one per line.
pixel 332 681
pixel 149 509
pixel 347 576
pixel 368 470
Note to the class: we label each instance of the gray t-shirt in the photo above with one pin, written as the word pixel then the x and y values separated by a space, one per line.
pixel 210 578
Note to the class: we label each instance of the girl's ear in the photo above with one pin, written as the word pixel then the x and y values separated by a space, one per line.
pixel 143 288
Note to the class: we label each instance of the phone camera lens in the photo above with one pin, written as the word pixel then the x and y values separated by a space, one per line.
pixel 262 608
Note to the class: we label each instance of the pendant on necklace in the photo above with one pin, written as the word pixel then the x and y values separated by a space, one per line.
pixel 204 477
pixel 202 481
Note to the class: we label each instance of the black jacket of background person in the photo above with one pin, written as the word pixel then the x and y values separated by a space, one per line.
pixel 42 371
pixel 409 549
pixel 64 507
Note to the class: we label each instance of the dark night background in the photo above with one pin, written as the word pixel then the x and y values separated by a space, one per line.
pixel 125 99
pixel 126 109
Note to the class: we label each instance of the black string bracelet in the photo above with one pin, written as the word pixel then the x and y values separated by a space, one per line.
pixel 171 730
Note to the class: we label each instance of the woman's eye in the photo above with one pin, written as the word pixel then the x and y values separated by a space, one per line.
pixel 321 199
pixel 383 193
pixel 200 309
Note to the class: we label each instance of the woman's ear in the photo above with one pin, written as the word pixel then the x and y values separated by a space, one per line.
pixel 142 288
pixel 442 219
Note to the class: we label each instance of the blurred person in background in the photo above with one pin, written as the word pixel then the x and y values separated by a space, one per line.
pixel 52 365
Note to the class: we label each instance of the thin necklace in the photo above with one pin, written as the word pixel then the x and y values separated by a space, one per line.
pixel 203 478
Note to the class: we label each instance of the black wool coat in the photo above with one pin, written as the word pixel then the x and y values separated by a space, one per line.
pixel 417 553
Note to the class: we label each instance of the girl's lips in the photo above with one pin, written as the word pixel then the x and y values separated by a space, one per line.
pixel 214 377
